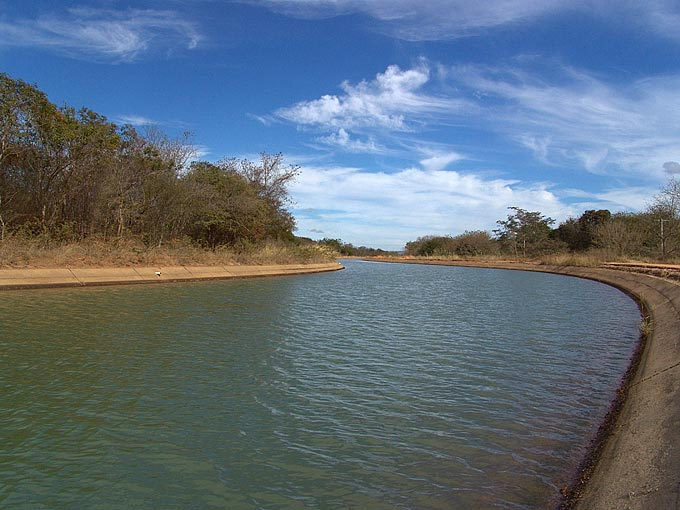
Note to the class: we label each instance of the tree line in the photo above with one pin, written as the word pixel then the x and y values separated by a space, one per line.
pixel 653 233
pixel 67 174
pixel 349 250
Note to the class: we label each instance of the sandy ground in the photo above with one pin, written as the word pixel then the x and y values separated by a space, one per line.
pixel 638 464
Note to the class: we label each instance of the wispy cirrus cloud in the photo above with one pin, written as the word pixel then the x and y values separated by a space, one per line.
pixel 418 20
pixel 135 120
pixel 102 34
pixel 143 122
pixel 618 198
pixel 436 161
pixel 579 119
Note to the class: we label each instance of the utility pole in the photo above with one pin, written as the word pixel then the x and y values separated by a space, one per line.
pixel 663 240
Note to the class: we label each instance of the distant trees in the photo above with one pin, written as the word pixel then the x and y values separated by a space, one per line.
pixel 428 246
pixel 349 250
pixel 469 243
pixel 475 243
pixel 525 232
pixel 67 173
pixel 652 233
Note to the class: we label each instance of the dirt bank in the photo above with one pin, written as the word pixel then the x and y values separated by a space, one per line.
pixel 638 464
pixel 43 278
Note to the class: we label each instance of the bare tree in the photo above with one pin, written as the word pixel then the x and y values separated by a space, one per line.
pixel 665 211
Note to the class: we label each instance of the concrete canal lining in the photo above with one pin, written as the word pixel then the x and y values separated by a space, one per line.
pixel 81 277
pixel 638 464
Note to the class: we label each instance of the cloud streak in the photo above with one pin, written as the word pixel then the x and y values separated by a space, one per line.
pixel 579 120
pixel 102 35
pixel 418 20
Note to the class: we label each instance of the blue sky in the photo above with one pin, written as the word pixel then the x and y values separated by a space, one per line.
pixel 407 117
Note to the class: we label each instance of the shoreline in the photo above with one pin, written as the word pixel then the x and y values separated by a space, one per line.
pixel 634 459
pixel 15 279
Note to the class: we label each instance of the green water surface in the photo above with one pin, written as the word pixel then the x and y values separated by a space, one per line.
pixel 381 386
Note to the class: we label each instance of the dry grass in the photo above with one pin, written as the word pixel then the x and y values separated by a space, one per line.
pixel 589 259
pixel 18 252
pixel 592 258
pixel 595 258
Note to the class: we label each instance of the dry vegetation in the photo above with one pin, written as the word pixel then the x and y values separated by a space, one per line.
pixel 16 252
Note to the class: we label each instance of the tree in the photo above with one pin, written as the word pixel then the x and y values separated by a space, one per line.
pixel 51 159
pixel 176 153
pixel 624 235
pixel 67 171
pixel 428 246
pixel 225 207
pixel 270 178
pixel 577 234
pixel 474 243
pixel 665 212
pixel 525 231
pixel 335 244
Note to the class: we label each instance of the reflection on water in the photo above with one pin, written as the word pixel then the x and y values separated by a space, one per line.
pixel 381 386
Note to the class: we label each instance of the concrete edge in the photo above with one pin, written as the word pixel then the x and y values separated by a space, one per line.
pixel 634 461
pixel 14 279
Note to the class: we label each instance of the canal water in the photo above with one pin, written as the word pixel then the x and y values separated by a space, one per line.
pixel 381 386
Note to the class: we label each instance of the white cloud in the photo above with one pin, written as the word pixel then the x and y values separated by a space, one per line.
pixel 439 161
pixel 663 16
pixel 574 120
pixel 135 120
pixel 539 145
pixel 388 209
pixel 616 199
pixel 343 140
pixel 581 120
pixel 420 20
pixel 393 101
pixel 102 35
pixel 201 152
